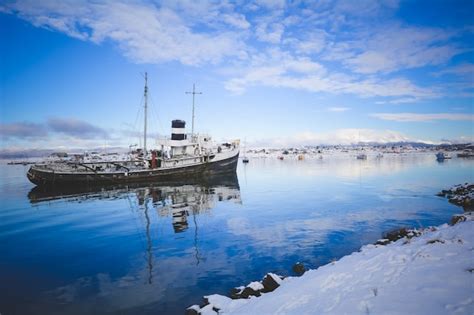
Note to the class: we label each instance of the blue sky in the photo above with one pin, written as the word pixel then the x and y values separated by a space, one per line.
pixel 271 72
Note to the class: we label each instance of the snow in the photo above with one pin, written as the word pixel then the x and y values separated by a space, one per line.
pixel 241 288
pixel 429 274
pixel 256 286
pixel 208 310
pixel 195 307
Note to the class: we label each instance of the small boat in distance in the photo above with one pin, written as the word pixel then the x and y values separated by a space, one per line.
pixel 466 154
pixel 361 156
pixel 441 156
pixel 245 159
pixel 182 156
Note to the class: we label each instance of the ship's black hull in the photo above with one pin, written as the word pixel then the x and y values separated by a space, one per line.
pixel 48 193
pixel 40 177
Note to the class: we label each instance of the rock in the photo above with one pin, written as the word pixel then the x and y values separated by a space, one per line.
pixel 468 204
pixel 270 282
pixel 192 310
pixel 382 241
pixel 457 218
pixel 455 200
pixel 236 293
pixel 435 241
pixel 460 195
pixel 205 302
pixel 248 292
pixel 299 268
pixel 208 309
pixel 395 235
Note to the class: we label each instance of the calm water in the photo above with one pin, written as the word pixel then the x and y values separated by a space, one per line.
pixel 157 250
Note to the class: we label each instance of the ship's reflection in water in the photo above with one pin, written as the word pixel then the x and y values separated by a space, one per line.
pixel 178 200
pixel 187 201
pixel 165 275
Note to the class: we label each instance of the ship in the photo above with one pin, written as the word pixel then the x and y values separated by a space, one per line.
pixel 466 154
pixel 182 156
pixel 78 193
pixel 441 156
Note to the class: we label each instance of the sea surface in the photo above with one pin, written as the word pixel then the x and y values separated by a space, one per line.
pixel 157 249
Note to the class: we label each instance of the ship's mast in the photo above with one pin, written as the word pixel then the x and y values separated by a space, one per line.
pixel 193 93
pixel 146 107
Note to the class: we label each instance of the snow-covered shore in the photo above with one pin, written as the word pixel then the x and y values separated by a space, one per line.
pixel 432 273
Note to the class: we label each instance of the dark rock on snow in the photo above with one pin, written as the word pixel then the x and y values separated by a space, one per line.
pixel 457 218
pixel 382 241
pixel 191 311
pixel 460 195
pixel 236 293
pixel 205 302
pixel 435 241
pixel 460 218
pixel 248 292
pixel 299 268
pixel 269 284
pixel 395 235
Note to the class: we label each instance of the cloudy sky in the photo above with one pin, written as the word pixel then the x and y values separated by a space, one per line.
pixel 271 72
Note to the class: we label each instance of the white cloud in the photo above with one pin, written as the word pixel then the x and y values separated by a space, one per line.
pixel 212 14
pixel 464 69
pixel 144 32
pixel 276 69
pixel 312 53
pixel 338 109
pixel 271 4
pixel 375 41
pixel 399 101
pixel 25 130
pixel 269 32
pixel 413 117
pixel 396 47
pixel 365 7
pixel 238 20
pixel 307 43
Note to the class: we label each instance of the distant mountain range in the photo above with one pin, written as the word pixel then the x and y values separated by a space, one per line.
pixel 398 144
pixel 36 153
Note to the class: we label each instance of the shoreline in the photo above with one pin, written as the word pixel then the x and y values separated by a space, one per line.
pixel 409 271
